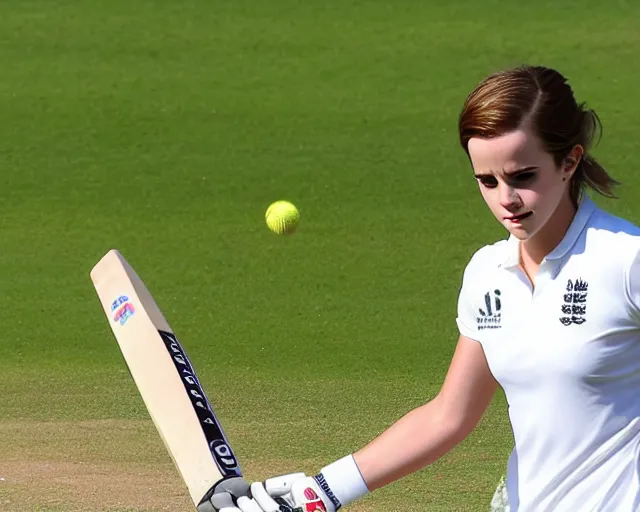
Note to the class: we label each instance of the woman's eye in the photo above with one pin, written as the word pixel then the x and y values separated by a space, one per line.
pixel 524 177
pixel 488 181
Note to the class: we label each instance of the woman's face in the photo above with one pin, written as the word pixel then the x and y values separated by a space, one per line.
pixel 520 181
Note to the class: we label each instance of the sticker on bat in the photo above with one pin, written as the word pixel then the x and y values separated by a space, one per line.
pixel 122 309
pixel 220 449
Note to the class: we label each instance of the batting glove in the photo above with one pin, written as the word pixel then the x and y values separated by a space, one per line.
pixel 294 492
pixel 336 485
pixel 225 496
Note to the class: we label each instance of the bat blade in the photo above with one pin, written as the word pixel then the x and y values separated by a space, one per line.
pixel 165 378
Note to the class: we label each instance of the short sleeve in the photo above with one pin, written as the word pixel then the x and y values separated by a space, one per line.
pixel 633 285
pixel 466 318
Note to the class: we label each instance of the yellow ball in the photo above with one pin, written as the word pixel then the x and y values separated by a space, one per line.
pixel 282 217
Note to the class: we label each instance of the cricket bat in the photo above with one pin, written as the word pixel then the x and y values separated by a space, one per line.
pixel 166 380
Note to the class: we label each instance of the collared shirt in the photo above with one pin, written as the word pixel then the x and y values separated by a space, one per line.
pixel 567 354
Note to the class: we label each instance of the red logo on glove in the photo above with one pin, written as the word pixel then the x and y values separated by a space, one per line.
pixel 315 504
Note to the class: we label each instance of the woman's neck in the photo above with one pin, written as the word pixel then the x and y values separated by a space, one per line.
pixel 536 248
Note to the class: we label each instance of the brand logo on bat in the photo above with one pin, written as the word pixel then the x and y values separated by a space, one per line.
pixel 224 454
pixel 122 309
pixel 224 457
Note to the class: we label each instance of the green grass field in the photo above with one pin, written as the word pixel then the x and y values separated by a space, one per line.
pixel 164 129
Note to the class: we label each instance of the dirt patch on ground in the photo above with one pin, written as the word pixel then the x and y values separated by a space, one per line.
pixel 89 465
pixel 104 466
pixel 65 486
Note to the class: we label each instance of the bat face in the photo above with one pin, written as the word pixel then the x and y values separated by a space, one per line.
pixel 165 378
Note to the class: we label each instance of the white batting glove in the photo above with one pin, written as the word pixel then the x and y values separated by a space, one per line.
pixel 294 492
pixel 338 484
pixel 289 493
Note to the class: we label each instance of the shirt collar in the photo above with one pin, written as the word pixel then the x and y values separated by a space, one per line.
pixel 585 210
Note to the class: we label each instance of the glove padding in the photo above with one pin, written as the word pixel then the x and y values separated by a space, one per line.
pixel 294 492
pixel 225 495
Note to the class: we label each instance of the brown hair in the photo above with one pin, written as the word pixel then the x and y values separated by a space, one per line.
pixel 504 101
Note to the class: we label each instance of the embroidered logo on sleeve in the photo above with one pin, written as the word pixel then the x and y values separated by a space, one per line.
pixel 490 315
pixel 574 308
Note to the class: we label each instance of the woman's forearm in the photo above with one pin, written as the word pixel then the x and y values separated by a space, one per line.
pixel 416 440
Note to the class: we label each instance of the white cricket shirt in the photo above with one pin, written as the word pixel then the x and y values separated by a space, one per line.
pixel 567 355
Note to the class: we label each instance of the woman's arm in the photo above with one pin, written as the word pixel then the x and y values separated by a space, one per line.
pixel 431 430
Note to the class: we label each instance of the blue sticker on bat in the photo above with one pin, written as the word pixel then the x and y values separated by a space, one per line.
pixel 122 309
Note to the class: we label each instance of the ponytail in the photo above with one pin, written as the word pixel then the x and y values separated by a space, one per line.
pixel 589 172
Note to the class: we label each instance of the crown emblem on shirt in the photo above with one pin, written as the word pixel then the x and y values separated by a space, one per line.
pixel 574 308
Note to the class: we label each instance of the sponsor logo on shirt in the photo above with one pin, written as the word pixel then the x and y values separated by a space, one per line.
pixel 574 308
pixel 489 316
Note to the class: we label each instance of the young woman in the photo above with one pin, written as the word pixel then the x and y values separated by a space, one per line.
pixel 551 314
